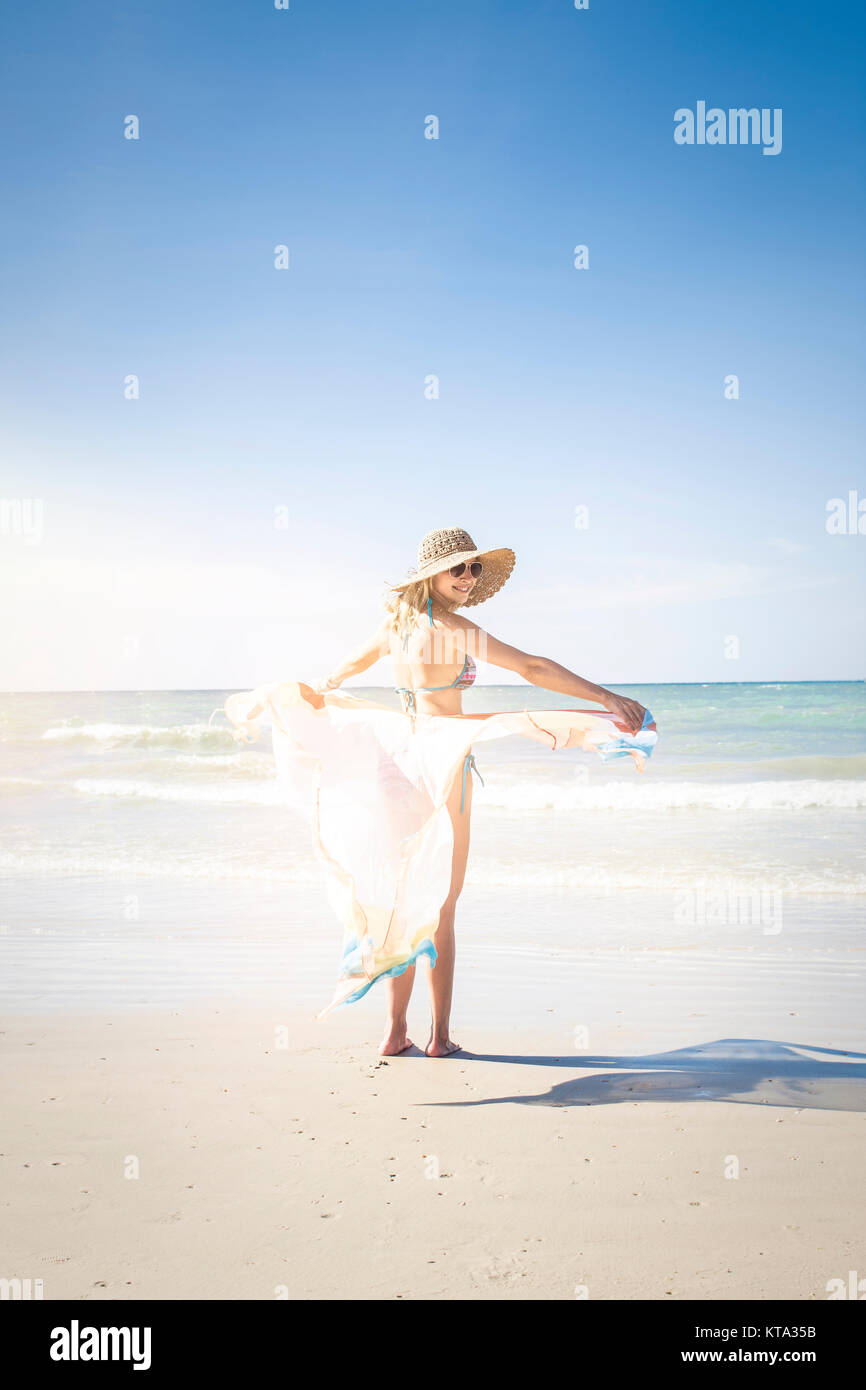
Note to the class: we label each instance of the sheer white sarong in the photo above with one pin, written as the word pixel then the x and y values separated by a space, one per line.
pixel 374 783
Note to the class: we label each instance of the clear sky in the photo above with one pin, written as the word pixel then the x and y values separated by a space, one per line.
pixel 236 523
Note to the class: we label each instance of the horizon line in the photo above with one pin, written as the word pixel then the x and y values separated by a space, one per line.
pixel 492 685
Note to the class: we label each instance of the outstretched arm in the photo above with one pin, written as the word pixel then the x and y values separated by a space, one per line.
pixel 546 673
pixel 359 660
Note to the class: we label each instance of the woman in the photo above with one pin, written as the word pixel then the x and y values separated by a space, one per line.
pixel 389 793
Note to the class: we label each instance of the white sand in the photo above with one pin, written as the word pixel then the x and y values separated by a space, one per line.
pixel 312 1169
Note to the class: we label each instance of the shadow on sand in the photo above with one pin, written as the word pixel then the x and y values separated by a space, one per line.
pixel 745 1070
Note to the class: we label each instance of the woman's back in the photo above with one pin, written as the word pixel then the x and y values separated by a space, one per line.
pixel 432 666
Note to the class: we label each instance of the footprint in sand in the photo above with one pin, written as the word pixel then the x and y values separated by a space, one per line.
pixel 489 1177
pixel 502 1269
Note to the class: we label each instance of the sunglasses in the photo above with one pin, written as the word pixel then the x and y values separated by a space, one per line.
pixel 474 569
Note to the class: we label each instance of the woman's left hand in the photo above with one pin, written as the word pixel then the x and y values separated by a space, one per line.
pixel 625 711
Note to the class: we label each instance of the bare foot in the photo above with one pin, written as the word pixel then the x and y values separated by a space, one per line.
pixel 437 1048
pixel 395 1042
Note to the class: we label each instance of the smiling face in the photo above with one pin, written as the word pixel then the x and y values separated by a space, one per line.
pixel 454 589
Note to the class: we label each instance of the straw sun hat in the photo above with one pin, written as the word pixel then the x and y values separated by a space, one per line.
pixel 439 550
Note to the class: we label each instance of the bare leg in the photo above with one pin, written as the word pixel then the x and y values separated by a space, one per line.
pixel 441 977
pixel 398 991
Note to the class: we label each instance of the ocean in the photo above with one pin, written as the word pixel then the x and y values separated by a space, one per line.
pixel 146 858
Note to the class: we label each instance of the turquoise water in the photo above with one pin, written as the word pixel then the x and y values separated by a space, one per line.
pixel 130 826
pixel 144 775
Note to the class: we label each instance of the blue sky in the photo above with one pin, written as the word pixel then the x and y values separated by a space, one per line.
pixel 159 564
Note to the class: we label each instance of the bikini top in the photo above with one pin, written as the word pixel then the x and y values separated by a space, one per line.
pixel 462 682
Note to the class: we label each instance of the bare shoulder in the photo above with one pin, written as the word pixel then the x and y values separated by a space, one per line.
pixel 477 642
pixel 458 622
pixel 469 637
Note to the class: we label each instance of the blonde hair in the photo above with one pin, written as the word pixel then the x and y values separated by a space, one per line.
pixel 405 604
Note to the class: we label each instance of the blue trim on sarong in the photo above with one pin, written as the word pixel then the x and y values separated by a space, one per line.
pixel 424 948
